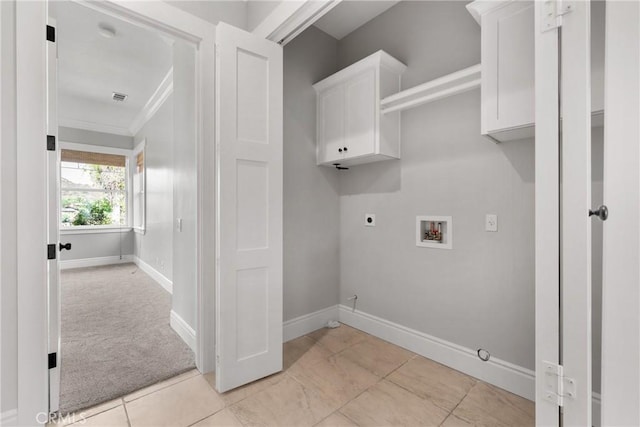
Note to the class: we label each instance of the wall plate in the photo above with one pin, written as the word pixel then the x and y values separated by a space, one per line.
pixel 491 222
pixel 370 220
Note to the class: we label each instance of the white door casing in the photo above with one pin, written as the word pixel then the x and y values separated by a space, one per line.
pixel 575 227
pixel 563 228
pixel 250 203
pixel 31 184
pixel 53 221
pixel 547 214
pixel 621 238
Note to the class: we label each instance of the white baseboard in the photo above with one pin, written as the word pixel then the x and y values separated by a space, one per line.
pixel 154 274
pixel 303 325
pixel 9 418
pixel 183 329
pixel 94 262
pixel 510 377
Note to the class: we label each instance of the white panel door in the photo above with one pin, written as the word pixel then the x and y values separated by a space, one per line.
pixel 249 221
pixel 621 240
pixel 53 231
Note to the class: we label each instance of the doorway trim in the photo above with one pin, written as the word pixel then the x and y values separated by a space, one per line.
pixel 31 19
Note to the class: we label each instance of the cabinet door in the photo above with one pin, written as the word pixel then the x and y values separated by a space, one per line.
pixel 360 99
pixel 508 67
pixel 331 117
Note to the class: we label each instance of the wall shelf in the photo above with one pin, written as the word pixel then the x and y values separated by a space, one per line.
pixel 442 87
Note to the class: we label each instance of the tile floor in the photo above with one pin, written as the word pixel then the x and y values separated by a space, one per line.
pixel 332 377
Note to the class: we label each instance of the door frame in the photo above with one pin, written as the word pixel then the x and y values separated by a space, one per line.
pixel 547 214
pixel 563 227
pixel 31 19
pixel 621 233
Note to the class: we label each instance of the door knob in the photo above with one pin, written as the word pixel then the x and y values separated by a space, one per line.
pixel 66 246
pixel 602 212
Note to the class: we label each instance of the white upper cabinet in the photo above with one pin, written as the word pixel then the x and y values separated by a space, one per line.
pixel 507 52
pixel 350 127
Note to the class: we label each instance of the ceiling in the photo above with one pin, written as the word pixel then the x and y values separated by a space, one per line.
pixel 91 67
pixel 351 14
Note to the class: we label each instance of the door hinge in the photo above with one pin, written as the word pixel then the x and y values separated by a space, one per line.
pixel 557 387
pixel 51 143
pixel 217 359
pixel 51 33
pixel 51 251
pixel 53 360
pixel 552 13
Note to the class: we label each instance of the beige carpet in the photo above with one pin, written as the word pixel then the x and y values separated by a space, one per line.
pixel 116 336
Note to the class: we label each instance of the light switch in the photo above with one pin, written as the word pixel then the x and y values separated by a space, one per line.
pixel 179 224
pixel 491 222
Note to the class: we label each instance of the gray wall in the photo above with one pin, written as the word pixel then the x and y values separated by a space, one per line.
pixel 432 38
pixel 257 10
pixel 230 11
pixel 448 169
pixel 155 246
pixel 185 190
pixel 480 293
pixel 97 245
pixel 311 203
pixel 89 137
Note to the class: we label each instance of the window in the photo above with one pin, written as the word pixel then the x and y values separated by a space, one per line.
pixel 139 187
pixel 93 189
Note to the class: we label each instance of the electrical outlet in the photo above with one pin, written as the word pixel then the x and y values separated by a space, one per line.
pixel 491 222
pixel 370 220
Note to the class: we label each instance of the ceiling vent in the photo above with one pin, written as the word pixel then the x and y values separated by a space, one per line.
pixel 119 97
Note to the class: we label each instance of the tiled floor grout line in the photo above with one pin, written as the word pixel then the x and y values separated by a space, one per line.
pixel 362 392
pixel 126 413
pixel 367 388
pixel 286 374
pixel 124 402
pixel 420 397
pixel 458 404
pixel 161 388
pixel 210 415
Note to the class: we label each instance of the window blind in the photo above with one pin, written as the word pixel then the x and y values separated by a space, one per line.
pixel 93 158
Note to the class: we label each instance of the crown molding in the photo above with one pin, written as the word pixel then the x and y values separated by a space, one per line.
pixel 161 94
pixel 93 126
pixel 290 18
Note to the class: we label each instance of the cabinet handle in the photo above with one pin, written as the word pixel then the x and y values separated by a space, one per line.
pixel 339 150
pixel 345 148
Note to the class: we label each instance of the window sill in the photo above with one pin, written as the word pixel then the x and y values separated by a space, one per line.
pixel 139 230
pixel 94 230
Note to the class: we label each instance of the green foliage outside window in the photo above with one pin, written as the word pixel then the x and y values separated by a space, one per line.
pixel 93 213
